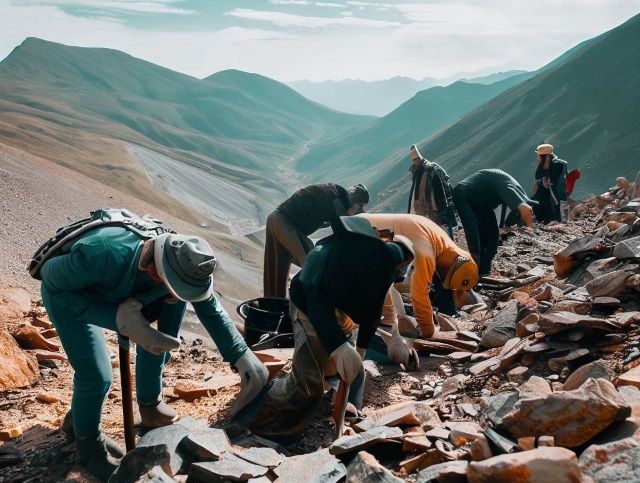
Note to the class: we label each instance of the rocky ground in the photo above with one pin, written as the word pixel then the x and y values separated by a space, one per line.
pixel 537 380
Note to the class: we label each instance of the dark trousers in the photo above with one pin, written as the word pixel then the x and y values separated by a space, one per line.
pixel 284 244
pixel 480 228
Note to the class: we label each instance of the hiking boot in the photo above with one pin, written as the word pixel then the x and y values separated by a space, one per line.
pixel 157 414
pixel 92 452
pixel 113 448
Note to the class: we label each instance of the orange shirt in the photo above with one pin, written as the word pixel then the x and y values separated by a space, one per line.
pixel 434 251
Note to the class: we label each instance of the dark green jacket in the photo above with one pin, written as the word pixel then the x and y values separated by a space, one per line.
pixel 101 270
pixel 348 272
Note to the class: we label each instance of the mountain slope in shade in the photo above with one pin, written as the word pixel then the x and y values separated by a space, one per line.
pixel 85 108
pixel 586 103
pixel 354 155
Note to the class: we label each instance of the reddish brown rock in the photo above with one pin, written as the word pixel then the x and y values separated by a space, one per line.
pixel 365 469
pixel 609 284
pixel 192 390
pixel 596 369
pixel 409 412
pixel 17 297
pixel 571 417
pixel 29 337
pixel 297 469
pixel 10 433
pixel 629 378
pixel 540 465
pixel 449 472
pixel 17 368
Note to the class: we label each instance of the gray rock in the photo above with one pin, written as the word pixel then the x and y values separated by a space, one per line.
pixel 364 468
pixel 498 406
pixel 616 461
pixel 332 472
pixel 268 457
pixel 449 472
pixel 230 468
pixel 155 475
pixel 297 469
pixel 628 249
pixel 360 441
pixel 501 327
pixel 608 285
pixel 207 444
pixel 140 462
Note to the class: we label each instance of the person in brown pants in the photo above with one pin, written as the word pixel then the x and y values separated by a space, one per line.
pixel 289 226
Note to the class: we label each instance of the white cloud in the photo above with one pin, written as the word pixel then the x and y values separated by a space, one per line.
pixel 289 2
pixel 371 5
pixel 331 5
pixel 152 7
pixel 287 20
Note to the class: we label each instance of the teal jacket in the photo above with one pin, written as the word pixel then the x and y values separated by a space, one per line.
pixel 101 270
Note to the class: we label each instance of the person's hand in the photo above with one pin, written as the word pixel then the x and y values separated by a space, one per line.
pixel 398 351
pixel 348 362
pixel 253 377
pixel 132 324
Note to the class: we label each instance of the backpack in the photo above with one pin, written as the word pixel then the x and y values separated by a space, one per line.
pixel 145 227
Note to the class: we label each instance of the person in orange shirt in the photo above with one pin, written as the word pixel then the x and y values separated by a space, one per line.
pixel 437 258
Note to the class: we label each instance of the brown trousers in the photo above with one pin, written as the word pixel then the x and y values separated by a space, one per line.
pixel 284 244
pixel 293 401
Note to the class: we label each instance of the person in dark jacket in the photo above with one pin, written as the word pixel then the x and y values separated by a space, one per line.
pixel 344 281
pixel 430 194
pixel 549 189
pixel 104 282
pixel 476 198
pixel 289 226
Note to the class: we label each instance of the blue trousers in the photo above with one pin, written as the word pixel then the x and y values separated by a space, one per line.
pixel 87 352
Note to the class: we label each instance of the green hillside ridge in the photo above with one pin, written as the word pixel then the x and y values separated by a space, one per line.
pixel 351 156
pixel 587 105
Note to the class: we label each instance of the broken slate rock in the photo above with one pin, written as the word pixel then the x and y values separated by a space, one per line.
pixel 170 437
pixel 463 432
pixel 502 326
pixel 409 412
pixel 297 469
pixel 498 406
pixel 365 469
pixel 368 438
pixel 17 367
pixel 449 472
pixel 333 471
pixel 535 386
pixel 139 462
pixel 629 378
pixel 230 468
pixel 207 444
pixel 615 461
pixel 268 457
pixel 608 285
pixel 628 249
pixel 571 417
pixel 559 465
pixel 556 322
pixel 596 369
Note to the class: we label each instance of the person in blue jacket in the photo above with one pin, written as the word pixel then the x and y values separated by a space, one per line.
pixel 104 281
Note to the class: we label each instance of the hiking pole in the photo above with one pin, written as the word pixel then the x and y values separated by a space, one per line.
pixel 127 399
pixel 340 408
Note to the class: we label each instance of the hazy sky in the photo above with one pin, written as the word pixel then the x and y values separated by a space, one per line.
pixel 307 39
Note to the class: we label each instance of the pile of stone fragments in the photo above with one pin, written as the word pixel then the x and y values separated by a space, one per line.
pixel 538 380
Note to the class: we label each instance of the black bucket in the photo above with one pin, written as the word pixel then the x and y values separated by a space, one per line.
pixel 265 317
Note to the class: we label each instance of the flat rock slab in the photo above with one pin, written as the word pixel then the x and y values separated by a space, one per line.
pixel 207 444
pixel 596 369
pixel 230 468
pixel 360 441
pixel 498 406
pixel 608 285
pixel 556 322
pixel 629 378
pixel 558 465
pixel 17 297
pixel 616 461
pixel 628 249
pixel 364 468
pixel 571 417
pixel 17 368
pixel 268 457
pixel 502 326
pixel 297 469
pixel 139 462
pixel 408 412
pixel 170 437
pixel 449 472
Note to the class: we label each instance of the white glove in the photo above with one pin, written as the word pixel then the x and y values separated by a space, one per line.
pixel 253 377
pixel 348 362
pixel 132 324
pixel 397 349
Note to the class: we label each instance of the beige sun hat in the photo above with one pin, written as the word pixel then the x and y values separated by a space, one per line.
pixel 545 149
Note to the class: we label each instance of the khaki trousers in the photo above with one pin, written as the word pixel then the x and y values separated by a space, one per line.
pixel 283 244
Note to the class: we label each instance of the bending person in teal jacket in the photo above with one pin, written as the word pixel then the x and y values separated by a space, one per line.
pixel 103 283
